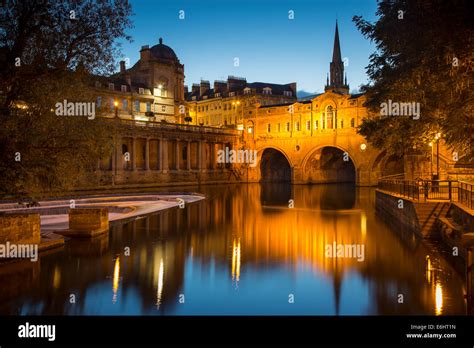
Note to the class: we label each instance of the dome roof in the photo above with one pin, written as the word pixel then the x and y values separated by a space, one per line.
pixel 161 51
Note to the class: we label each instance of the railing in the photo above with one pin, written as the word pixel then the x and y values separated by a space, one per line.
pixel 466 194
pixel 176 127
pixel 181 127
pixel 424 190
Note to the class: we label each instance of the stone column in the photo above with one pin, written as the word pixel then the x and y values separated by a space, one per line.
pixel 177 154
pixel 165 164
pixel 188 155
pixel 160 154
pixel 134 154
pixel 200 155
pixel 212 150
pixel 117 156
pixel 147 154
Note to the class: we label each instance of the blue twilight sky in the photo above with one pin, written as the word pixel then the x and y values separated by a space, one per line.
pixel 270 47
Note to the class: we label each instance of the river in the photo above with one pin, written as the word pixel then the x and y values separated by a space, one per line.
pixel 245 250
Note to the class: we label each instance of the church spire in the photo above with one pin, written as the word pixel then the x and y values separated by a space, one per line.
pixel 336 68
pixel 336 52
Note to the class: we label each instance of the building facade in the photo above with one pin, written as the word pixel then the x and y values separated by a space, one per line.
pixel 152 90
pixel 229 102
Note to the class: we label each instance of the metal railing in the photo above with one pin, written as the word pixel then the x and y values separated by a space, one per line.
pixel 174 126
pixel 424 190
pixel 466 194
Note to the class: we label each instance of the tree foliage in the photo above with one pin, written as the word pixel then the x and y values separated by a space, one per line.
pixel 48 51
pixel 425 54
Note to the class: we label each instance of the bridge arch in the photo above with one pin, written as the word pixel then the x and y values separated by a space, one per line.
pixel 329 163
pixel 387 165
pixel 274 165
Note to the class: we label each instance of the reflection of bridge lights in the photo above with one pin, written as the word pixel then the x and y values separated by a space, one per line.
pixel 439 298
pixel 159 291
pixel 56 277
pixel 428 269
pixel 116 279
pixel 363 225
pixel 236 260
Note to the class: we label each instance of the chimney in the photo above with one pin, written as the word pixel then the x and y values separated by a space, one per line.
pixel 145 53
pixel 122 66
pixel 196 87
pixel 236 83
pixel 205 86
pixel 220 86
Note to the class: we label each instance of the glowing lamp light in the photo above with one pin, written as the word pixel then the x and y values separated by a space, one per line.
pixel 240 127
pixel 249 130
pixel 160 86
pixel 430 144
pixel 363 146
pixel 116 103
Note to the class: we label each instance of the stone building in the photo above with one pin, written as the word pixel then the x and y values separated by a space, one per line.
pixel 151 90
pixel 229 102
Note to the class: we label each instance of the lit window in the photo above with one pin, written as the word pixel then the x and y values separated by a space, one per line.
pixel 141 90
pixel 137 105
pixel 329 116
pixel 124 104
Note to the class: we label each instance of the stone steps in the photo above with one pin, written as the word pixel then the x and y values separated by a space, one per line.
pixel 427 213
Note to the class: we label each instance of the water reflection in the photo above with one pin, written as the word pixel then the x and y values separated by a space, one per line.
pixel 116 279
pixel 242 251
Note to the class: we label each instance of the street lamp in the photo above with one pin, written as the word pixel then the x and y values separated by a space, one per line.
pixel 431 170
pixel 437 137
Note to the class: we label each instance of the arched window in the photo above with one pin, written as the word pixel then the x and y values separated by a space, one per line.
pixel 329 117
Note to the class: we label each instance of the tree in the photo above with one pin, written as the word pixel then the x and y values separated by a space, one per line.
pixel 424 54
pixel 49 51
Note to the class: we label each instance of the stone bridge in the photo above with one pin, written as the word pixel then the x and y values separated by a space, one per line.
pixel 326 156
